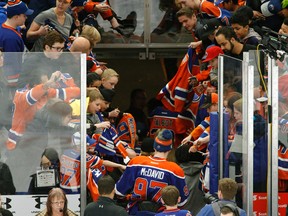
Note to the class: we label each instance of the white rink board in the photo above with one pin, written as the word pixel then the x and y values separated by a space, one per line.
pixel 29 205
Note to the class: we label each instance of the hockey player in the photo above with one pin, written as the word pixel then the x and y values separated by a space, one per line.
pixel 145 176
pixel 33 97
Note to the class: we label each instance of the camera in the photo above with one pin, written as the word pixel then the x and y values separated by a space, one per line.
pixel 210 198
pixel 275 44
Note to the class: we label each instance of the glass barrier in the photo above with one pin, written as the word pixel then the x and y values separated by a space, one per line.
pixel 137 17
pixel 260 129
pixel 282 66
pixel 165 27
pixel 232 149
pixel 131 17
pixel 39 129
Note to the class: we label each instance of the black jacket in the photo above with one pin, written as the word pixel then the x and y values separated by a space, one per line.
pixel 104 207
pixel 6 181
pixel 5 212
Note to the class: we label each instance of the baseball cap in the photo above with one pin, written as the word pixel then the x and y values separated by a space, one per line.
pixel 209 27
pixel 209 100
pixel 18 7
pixel 271 7
pixel 163 141
pixel 212 52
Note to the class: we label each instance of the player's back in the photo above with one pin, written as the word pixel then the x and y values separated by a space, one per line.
pixel 146 176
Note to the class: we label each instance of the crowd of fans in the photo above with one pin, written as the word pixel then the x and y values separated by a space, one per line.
pixel 142 163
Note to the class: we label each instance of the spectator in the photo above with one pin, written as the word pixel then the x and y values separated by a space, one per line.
pixel 229 109
pixel 284 12
pixel 141 168
pixel 93 109
pixel 207 9
pixel 259 150
pixel 247 35
pixel 138 99
pixel 105 206
pixel 284 28
pixel 56 18
pixel 170 198
pixel 230 5
pixel 3 12
pixel 192 164
pixel 57 204
pixel 93 80
pixel 187 17
pixel 228 41
pixel 49 161
pixel 109 78
pixel 109 134
pixel 198 135
pixel 253 23
pixel 269 13
pixel 227 190
pixel 80 44
pixel 108 95
pixel 229 210
pixel 147 148
pixel 72 60
pixel 11 40
pixel 212 54
pixel 169 23
pixel 53 46
pixel 38 7
pixel 6 181
pixel 53 59
pixel 92 34
pixel 103 7
pixel 207 34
